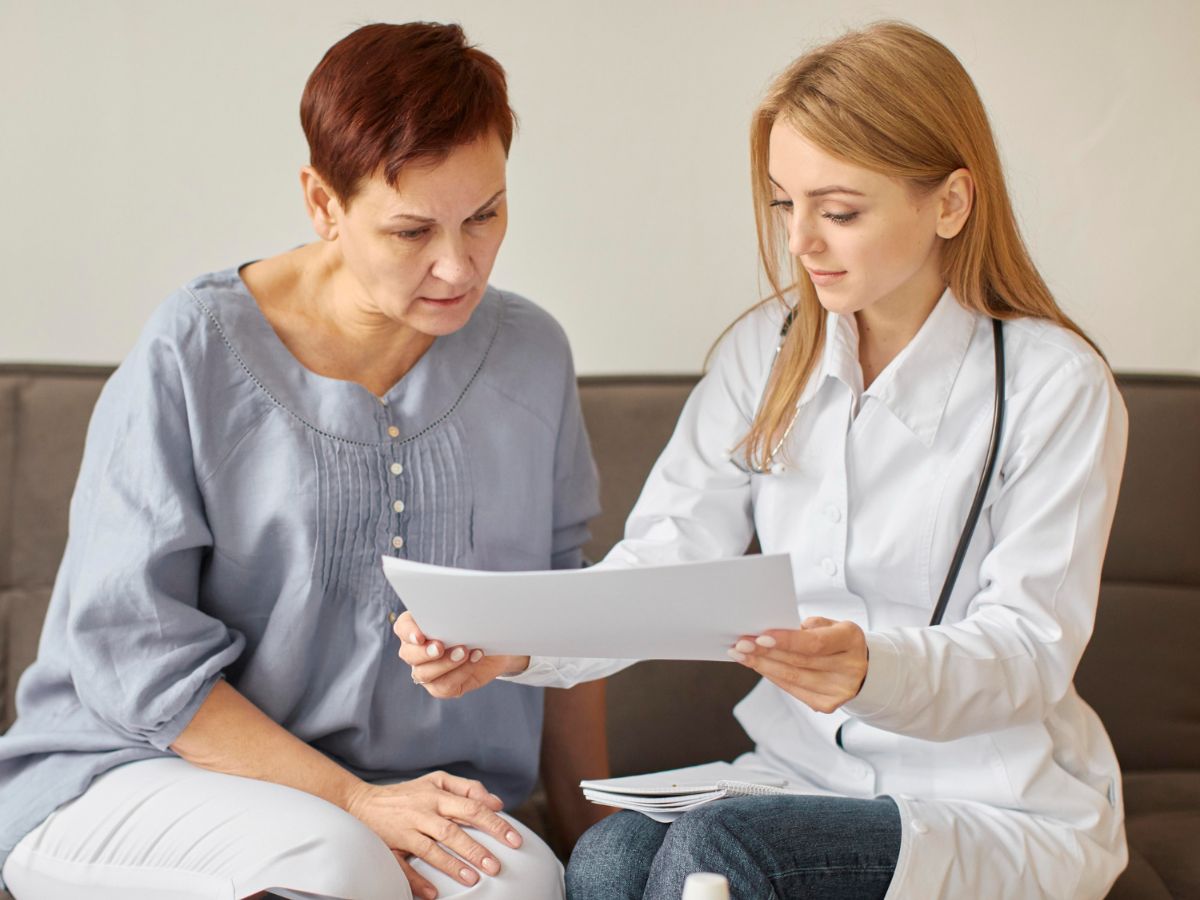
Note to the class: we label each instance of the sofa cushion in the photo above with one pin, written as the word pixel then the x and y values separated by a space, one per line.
pixel 1158 519
pixel 1139 881
pixel 51 423
pixel 1168 842
pixel 1140 673
pixel 21 615
pixel 8 462
pixel 1167 791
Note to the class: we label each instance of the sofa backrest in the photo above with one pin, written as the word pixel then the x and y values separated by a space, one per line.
pixel 1140 672
pixel 44 413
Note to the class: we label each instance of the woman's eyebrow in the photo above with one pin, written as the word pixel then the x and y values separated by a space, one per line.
pixel 821 192
pixel 426 220
pixel 833 189
pixel 491 200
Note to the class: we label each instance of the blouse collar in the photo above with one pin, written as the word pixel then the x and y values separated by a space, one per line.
pixel 915 386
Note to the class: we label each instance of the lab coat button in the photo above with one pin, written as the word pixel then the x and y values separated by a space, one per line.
pixel 919 827
pixel 393 431
pixel 397 542
pixel 397 468
pixel 398 506
pixel 835 514
pixel 829 567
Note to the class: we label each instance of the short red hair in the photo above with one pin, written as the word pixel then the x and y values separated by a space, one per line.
pixel 387 95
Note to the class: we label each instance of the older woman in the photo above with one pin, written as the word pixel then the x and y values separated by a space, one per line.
pixel 217 708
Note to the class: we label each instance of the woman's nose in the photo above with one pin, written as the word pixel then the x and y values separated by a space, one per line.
pixel 453 263
pixel 802 237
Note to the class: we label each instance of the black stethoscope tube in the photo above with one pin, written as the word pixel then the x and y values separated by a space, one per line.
pixel 985 478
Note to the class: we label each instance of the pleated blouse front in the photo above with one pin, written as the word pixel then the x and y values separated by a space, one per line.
pixel 229 519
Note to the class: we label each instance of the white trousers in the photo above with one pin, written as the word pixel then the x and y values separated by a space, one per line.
pixel 166 829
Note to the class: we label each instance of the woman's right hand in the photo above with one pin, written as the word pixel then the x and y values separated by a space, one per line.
pixel 424 818
pixel 450 672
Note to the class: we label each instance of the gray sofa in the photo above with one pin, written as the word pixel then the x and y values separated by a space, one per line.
pixel 1141 671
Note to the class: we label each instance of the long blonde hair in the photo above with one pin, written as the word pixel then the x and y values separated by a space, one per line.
pixel 894 100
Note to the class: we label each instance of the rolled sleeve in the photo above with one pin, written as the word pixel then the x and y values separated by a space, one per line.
pixel 142 655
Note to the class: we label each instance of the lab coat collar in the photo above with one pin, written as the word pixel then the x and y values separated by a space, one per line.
pixel 916 385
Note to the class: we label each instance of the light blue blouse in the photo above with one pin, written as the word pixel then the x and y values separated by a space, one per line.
pixel 229 519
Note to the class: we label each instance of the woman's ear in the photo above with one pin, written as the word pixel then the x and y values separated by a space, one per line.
pixel 955 197
pixel 324 211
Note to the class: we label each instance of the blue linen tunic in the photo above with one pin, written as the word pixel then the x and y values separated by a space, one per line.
pixel 228 521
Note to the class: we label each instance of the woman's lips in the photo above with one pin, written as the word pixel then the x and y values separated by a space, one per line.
pixel 825 277
pixel 445 301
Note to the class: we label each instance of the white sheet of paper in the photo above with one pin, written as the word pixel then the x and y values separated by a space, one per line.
pixel 681 611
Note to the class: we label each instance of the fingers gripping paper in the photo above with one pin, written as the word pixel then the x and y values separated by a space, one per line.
pixel 681 611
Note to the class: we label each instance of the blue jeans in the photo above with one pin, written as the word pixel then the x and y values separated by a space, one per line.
pixel 770 848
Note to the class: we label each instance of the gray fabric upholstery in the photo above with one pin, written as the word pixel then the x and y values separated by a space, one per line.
pixel 1140 672
pixel 21 614
pixel 8 472
pixel 1157 529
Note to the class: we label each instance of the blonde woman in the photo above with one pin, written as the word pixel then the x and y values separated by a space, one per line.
pixel 939 741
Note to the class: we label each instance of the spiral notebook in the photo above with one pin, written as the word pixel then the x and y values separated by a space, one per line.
pixel 665 796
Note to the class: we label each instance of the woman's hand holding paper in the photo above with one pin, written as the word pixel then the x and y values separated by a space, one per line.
pixel 822 663
pixel 449 672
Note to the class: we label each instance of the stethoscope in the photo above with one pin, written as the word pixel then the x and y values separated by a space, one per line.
pixel 985 477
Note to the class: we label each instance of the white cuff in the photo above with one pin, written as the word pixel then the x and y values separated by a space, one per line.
pixel 883 678
pixel 542 671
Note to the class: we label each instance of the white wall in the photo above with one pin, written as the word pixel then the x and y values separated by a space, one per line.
pixel 145 141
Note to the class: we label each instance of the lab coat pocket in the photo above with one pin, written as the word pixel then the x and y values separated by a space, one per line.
pixel 971 768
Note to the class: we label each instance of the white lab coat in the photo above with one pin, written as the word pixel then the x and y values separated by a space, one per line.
pixel 1006 781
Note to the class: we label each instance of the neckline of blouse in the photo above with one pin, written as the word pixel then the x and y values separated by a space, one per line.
pixel 345 410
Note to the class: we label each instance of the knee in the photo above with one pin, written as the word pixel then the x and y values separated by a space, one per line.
pixel 703 835
pixel 613 857
pixel 329 852
pixel 530 871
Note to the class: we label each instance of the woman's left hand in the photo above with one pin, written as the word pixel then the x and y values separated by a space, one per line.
pixel 822 663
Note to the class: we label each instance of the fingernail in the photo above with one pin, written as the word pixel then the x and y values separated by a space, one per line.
pixel 432 650
pixel 513 838
pixel 491 865
pixel 765 640
pixel 468 876
pixel 476 655
pixel 414 638
pixel 735 656
pixel 457 654
pixel 497 800
pixel 744 646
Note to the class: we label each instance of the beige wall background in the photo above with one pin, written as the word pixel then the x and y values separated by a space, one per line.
pixel 145 141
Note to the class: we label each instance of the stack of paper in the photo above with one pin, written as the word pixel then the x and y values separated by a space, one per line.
pixel 692 610
pixel 665 796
